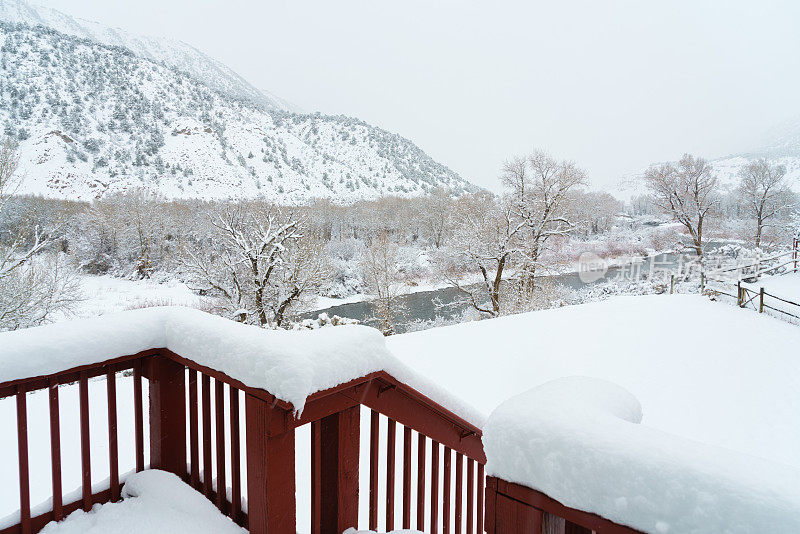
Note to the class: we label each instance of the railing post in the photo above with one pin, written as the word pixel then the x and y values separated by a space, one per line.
pixel 335 471
pixel 167 416
pixel 270 470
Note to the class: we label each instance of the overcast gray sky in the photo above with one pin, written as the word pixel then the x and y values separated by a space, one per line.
pixel 612 85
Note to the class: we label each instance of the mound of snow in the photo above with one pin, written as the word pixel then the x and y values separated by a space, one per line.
pixel 579 440
pixel 153 501
pixel 289 365
pixel 704 370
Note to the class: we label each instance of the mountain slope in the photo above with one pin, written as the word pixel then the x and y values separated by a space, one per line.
pixel 172 53
pixel 94 119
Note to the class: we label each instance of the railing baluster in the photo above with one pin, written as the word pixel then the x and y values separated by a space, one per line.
pixel 406 477
pixel 391 430
pixel 470 495
pixel 374 443
pixel 194 455
pixel 113 449
pixel 459 490
pixel 481 491
pixel 446 490
pixel 22 445
pixel 138 414
pixel 421 482
pixel 236 479
pixel 219 412
pixel 86 461
pixel 434 487
pixel 55 450
pixel 207 471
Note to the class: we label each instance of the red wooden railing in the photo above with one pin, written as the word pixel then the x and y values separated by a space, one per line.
pixel 512 508
pixel 180 409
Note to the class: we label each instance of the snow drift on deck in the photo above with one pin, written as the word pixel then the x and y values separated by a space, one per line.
pixel 289 365
pixel 579 440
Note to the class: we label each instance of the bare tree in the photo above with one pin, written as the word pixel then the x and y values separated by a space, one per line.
pixel 486 237
pixel 32 288
pixel 260 265
pixel 540 194
pixel 687 191
pixel 765 193
pixel 383 280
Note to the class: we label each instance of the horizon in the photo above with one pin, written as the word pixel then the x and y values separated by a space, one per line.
pixel 607 127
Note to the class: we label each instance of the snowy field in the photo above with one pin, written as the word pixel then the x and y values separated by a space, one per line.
pixel 703 370
pixel 785 287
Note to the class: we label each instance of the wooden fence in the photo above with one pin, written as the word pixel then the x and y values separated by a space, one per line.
pixel 180 409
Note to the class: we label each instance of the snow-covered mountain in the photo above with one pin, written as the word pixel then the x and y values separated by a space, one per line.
pixel 781 145
pixel 98 111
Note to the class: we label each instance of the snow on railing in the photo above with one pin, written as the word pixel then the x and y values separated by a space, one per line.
pixel 576 447
pixel 235 395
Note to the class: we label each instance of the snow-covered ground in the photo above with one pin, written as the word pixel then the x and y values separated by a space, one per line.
pixel 703 370
pixel 104 294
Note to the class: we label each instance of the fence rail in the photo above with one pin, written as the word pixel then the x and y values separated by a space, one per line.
pixel 185 400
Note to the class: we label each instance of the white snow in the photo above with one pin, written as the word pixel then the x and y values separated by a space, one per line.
pixel 579 440
pixel 153 501
pixel 704 370
pixel 289 365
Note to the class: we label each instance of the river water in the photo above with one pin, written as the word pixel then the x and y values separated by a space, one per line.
pixel 428 305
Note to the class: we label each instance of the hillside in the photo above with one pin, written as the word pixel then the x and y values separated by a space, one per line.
pixel 781 145
pixel 94 119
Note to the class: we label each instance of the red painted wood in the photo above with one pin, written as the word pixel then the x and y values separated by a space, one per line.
pixel 316 480
pixel 55 451
pixel 391 431
pixel 434 487
pixel 421 482
pixel 337 482
pixel 470 495
pixel 459 491
pixel 113 448
pixel 86 463
pixel 138 414
pixel 446 490
pixel 406 477
pixel 206 414
pixel 194 455
pixel 68 376
pixel 572 528
pixel 167 416
pixel 512 517
pixel 481 495
pixel 270 472
pixel 236 460
pixel 22 449
pixel 374 444
pixel 527 497
pixel 391 399
pixel 39 522
pixel 219 412
pixel 491 509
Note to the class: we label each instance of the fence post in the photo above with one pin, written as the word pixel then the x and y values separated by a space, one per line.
pixel 167 416
pixel 794 253
pixel 270 470
pixel 739 293
pixel 702 283
pixel 334 475
pixel 761 301
pixel 671 284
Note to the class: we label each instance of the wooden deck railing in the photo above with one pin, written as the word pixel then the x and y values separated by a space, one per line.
pixel 180 400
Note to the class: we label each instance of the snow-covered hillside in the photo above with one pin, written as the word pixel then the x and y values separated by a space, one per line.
pixel 781 146
pixel 172 53
pixel 94 119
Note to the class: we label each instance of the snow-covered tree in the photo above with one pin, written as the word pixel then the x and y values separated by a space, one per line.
pixel 379 264
pixel 765 193
pixel 687 192
pixel 260 263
